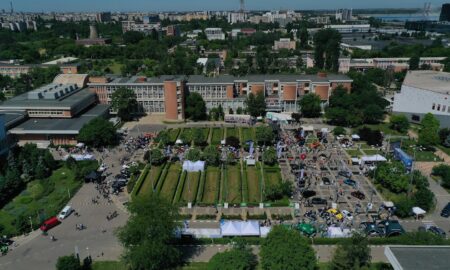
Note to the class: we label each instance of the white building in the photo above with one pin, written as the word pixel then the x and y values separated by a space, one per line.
pixel 139 27
pixel 214 34
pixel 284 43
pixel 424 92
pixel 350 28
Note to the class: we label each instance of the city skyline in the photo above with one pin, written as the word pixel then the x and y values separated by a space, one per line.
pixel 192 5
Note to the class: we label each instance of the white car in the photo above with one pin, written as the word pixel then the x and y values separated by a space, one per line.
pixel 347 214
pixel 67 210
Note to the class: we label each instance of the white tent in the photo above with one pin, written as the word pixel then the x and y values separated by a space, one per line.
pixel 308 128
pixel 264 231
pixel 250 162
pixel 240 228
pixel 178 141
pixel 190 166
pixel 356 137
pixel 418 211
pixel 250 228
pixel 374 158
pixel 202 232
pixel 337 232
pixel 80 157
pixel 230 228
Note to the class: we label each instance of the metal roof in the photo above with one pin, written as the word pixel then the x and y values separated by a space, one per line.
pixel 418 257
pixel 434 81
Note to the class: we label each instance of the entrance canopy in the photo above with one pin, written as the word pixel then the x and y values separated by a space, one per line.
pixel 240 228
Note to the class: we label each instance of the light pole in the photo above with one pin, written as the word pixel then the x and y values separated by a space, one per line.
pixel 31 224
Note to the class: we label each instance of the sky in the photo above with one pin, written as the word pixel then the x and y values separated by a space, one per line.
pixel 188 5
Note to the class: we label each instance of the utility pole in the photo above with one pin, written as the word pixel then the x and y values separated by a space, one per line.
pixel 412 173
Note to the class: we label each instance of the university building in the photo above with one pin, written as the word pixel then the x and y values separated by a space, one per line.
pixel 165 94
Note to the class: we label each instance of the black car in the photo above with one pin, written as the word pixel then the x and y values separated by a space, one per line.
pixel 318 200
pixel 446 211
pixel 437 231
pixel 345 174
pixel 326 181
pixel 358 194
pixel 308 194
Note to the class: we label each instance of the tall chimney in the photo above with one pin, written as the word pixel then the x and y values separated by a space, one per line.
pixel 93 32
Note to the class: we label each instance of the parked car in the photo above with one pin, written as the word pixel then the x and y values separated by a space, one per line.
pixel 358 194
pixel 334 212
pixel 317 200
pixel 371 229
pixel 345 174
pixel 437 231
pixel 391 228
pixel 49 223
pixel 350 182
pixel 67 210
pixel 326 181
pixel 308 194
pixel 446 211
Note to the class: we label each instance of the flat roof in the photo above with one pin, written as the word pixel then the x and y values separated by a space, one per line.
pixel 22 102
pixel 435 81
pixel 70 126
pixel 418 257
pixel 12 117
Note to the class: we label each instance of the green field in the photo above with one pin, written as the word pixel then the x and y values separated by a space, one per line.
pixel 173 135
pixel 272 176
pixel 212 185
pixel 232 132
pixel 247 134
pixel 254 188
pixel 152 177
pixel 217 136
pixel 170 183
pixel 232 188
pixel 190 187
pixel 353 152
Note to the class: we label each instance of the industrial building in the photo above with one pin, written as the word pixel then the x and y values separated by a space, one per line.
pixel 54 113
pixel 165 94
pixel 424 92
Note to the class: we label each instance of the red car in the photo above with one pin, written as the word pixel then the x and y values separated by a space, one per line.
pixel 49 223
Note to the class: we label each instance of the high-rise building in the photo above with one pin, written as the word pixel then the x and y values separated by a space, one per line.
pixel 445 13
pixel 103 17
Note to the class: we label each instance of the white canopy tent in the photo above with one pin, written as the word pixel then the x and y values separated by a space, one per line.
pixel 356 137
pixel 189 166
pixel 80 157
pixel 202 232
pixel 418 211
pixel 178 141
pixel 374 158
pixel 337 232
pixel 240 228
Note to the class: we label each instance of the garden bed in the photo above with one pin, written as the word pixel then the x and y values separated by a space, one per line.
pixel 254 184
pixel 212 186
pixel 232 187
pixel 217 136
pixel 171 181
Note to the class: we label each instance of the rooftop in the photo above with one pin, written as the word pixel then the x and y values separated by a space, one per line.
pixel 418 257
pixel 435 81
pixel 70 126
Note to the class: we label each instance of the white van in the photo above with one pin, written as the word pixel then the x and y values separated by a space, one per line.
pixel 67 210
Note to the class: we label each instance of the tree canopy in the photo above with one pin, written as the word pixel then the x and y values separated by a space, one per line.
pixel 352 254
pixel 256 104
pixel 155 157
pixel 285 249
pixel 98 132
pixel 240 257
pixel 327 49
pixel 211 155
pixel 124 101
pixel 399 122
pixel 69 262
pixel 148 234
pixel 195 107
pixel 264 135
pixel 429 132
pixel 270 156
pixel 310 105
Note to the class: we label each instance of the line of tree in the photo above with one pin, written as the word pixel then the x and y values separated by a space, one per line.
pixel 327 49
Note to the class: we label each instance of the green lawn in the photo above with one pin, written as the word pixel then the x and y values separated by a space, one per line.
pixel 212 185
pixel 40 200
pixel 247 135
pixel 173 135
pixel 254 187
pixel 190 187
pixel 217 136
pixel 272 176
pixel 170 183
pixel 116 68
pixel 186 135
pixel 353 152
pixel 232 188
pixel 371 152
pixel 152 178
pixel 108 265
pixel 232 132
pixel 444 149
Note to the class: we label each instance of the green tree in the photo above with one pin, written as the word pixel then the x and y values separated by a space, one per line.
pixel 124 101
pixel 372 113
pixel 302 34
pixel 2 96
pixel 414 62
pixel 444 136
pixel 327 49
pixel 155 157
pixel 69 262
pixel 211 155
pixel 428 134
pixel 238 258
pixel 310 105
pixel 285 249
pixel 339 131
pixel 256 104
pixel 270 156
pixel 163 137
pixel 297 117
pixel 392 176
pixel 132 37
pixel 98 132
pixel 148 234
pixel 193 154
pixel 399 122
pixel 353 254
pixel 199 137
pixel 264 135
pixel 195 107
pixel 424 199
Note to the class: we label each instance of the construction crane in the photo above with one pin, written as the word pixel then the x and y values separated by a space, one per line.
pixel 242 7
pixel 426 10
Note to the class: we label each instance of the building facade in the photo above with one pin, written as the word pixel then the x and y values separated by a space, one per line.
pixel 165 94
pixel 214 34
pixel 397 64
pixel 424 92
pixel 284 43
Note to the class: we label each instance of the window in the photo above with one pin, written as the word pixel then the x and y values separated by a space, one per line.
pixel 415 118
pixel 439 107
pixel 443 108
pixel 434 106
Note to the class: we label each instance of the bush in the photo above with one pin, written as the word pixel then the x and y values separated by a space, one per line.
pixel 372 137
pixel 339 131
pixel 443 171
pixel 404 206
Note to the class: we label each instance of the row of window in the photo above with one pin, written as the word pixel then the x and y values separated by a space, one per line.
pixel 440 108
pixel 43 113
